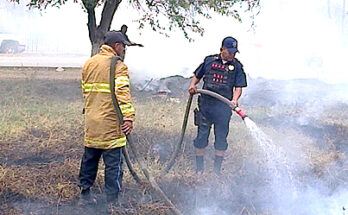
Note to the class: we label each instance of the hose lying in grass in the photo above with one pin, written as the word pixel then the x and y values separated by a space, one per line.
pixel 137 158
pixel 130 166
pixel 178 147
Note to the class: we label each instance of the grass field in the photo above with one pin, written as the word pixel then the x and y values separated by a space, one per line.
pixel 41 134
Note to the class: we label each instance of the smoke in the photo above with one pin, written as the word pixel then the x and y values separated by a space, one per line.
pixel 291 39
pixel 287 174
pixel 51 31
pixel 296 39
pixel 292 194
pixel 296 62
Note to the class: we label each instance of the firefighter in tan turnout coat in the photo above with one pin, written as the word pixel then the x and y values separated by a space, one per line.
pixel 103 134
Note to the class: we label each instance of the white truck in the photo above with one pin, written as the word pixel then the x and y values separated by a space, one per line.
pixel 10 44
pixel 11 47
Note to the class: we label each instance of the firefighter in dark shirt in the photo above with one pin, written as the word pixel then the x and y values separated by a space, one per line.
pixel 123 30
pixel 222 74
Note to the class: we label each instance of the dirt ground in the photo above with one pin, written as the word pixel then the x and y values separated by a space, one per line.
pixel 41 146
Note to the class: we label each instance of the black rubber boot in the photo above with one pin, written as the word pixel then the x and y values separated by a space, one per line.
pixel 199 164
pixel 86 198
pixel 112 203
pixel 217 164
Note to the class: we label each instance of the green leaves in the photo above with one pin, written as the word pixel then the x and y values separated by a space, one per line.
pixel 164 16
pixel 42 4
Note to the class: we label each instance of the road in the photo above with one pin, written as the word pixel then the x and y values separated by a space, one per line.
pixel 41 60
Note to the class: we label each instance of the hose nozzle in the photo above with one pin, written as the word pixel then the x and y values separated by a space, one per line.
pixel 240 112
pixel 225 100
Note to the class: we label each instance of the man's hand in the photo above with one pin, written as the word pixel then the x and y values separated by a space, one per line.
pixel 193 89
pixel 234 104
pixel 236 94
pixel 127 127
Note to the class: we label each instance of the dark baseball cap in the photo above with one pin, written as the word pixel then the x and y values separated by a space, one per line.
pixel 115 37
pixel 230 44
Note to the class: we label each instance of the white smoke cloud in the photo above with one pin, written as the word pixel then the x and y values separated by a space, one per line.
pixel 298 39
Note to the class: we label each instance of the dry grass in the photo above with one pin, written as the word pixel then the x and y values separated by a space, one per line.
pixel 45 181
pixel 41 147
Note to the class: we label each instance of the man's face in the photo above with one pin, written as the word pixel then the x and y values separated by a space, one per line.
pixel 226 55
pixel 120 49
pixel 124 30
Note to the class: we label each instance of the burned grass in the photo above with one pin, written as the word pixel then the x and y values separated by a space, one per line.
pixel 41 146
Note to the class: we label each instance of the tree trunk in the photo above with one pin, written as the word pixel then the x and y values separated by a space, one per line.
pixel 329 9
pixel 343 14
pixel 98 40
pixel 95 47
pixel 96 33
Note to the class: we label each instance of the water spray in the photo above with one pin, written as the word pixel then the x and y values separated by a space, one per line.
pixel 258 135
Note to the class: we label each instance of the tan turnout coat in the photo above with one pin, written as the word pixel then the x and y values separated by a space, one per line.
pixel 102 127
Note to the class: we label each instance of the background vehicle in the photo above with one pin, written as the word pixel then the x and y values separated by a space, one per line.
pixel 11 47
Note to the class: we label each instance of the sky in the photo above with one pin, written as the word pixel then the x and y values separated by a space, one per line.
pixel 292 39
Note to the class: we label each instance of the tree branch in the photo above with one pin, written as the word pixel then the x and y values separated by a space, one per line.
pixel 92 26
pixel 110 7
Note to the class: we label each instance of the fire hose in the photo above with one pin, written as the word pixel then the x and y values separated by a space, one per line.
pixel 171 162
pixel 130 142
pixel 183 129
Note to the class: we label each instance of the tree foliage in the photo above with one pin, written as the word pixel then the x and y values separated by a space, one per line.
pixel 185 14
pixel 161 16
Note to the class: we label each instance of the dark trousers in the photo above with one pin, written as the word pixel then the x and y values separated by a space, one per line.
pixel 220 131
pixel 219 115
pixel 113 170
